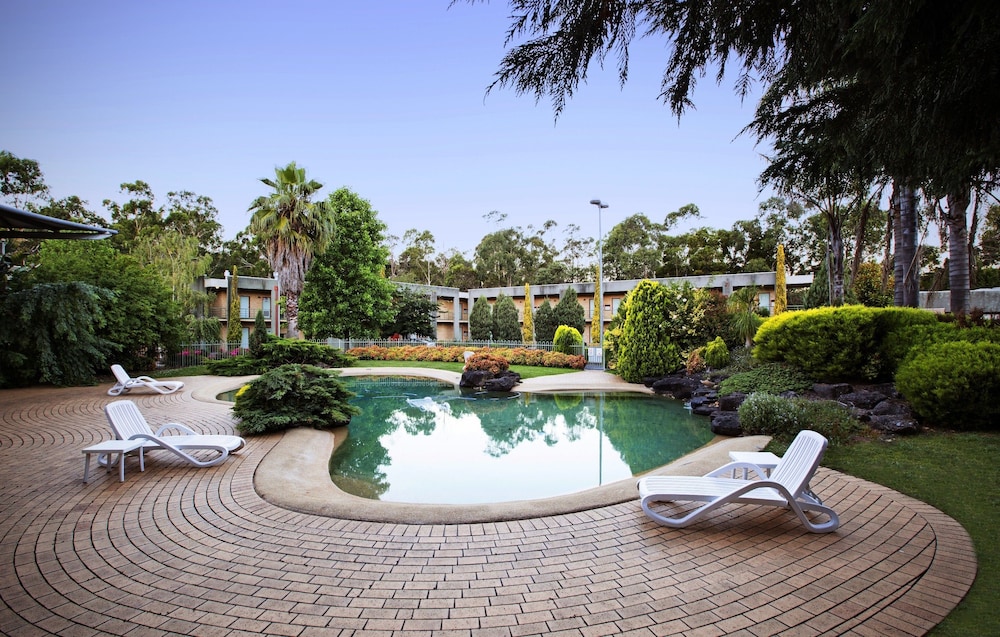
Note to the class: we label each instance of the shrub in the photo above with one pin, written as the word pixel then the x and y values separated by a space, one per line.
pixel 783 418
pixel 567 340
pixel 645 347
pixel 717 353
pixel 259 336
pixel 280 351
pixel 836 343
pixel 771 378
pixel 954 384
pixel 293 396
pixel 288 350
pixel 695 361
pixel 487 361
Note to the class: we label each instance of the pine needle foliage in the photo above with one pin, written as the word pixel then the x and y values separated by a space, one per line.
pixel 645 348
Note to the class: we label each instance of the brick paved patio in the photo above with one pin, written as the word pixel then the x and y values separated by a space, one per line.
pixel 178 550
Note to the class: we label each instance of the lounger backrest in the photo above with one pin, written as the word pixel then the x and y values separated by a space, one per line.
pixel 126 419
pixel 120 374
pixel 799 463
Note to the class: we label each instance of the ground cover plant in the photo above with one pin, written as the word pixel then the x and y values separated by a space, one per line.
pixel 293 396
pixel 956 473
pixel 771 378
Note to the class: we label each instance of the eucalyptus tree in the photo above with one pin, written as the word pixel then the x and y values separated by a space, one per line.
pixel 633 249
pixel 916 80
pixel 292 228
pixel 416 261
pixel 21 179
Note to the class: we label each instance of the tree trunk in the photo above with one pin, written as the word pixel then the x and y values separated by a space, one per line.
pixel 887 257
pixel 905 266
pixel 292 314
pixel 835 249
pixel 973 230
pixel 958 251
pixel 859 241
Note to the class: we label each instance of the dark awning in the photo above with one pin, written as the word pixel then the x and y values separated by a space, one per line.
pixel 21 224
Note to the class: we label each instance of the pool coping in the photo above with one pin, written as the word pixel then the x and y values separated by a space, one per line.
pixel 294 474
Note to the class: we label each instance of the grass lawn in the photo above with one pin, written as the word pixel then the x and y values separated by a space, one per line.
pixel 959 474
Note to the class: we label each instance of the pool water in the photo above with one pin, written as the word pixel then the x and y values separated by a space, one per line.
pixel 424 441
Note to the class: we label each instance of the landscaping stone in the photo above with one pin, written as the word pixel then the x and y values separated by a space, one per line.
pixel 502 383
pixel 894 424
pixel 726 423
pixel 680 387
pixel 831 391
pixel 863 399
pixel 732 402
pixel 703 406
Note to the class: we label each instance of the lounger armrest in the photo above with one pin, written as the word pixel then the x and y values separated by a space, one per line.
pixel 175 425
pixel 728 469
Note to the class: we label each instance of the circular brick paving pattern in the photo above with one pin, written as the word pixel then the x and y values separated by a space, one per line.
pixel 187 551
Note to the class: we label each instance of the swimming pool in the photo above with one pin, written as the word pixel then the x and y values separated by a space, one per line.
pixel 420 440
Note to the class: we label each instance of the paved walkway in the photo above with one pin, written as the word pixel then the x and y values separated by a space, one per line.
pixel 185 551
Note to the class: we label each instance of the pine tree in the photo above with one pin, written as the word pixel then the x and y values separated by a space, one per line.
pixel 597 319
pixel 234 328
pixel 569 311
pixel 481 320
pixel 780 289
pixel 506 327
pixel 545 323
pixel 528 327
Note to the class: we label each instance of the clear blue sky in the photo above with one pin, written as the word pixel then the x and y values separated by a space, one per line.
pixel 386 98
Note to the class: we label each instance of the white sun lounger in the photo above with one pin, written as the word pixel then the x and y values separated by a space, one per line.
pixel 125 383
pixel 128 423
pixel 787 487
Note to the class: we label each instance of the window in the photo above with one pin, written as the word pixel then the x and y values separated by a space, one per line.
pixel 265 307
pixel 764 300
pixel 615 304
pixel 245 337
pixel 244 307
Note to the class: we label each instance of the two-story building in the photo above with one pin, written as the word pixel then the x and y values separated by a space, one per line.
pixel 452 318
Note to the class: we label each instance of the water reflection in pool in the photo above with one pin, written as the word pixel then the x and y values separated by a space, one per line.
pixel 424 441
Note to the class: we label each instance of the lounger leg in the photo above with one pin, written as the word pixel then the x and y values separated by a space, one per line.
pixel 121 467
pixel 86 467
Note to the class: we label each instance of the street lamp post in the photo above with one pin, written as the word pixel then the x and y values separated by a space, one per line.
pixel 600 273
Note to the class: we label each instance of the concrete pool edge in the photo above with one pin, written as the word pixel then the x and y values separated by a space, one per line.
pixel 294 474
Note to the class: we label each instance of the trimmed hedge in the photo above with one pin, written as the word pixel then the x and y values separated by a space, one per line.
pixel 514 356
pixel 954 385
pixel 837 343
pixel 567 340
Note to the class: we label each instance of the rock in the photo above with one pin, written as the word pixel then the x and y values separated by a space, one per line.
pixel 702 406
pixel 726 423
pixel 894 424
pixel 732 402
pixel 891 407
pixel 831 391
pixel 863 399
pixel 680 387
pixel 475 378
pixel 503 383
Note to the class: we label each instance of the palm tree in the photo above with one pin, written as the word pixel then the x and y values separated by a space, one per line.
pixel 292 229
